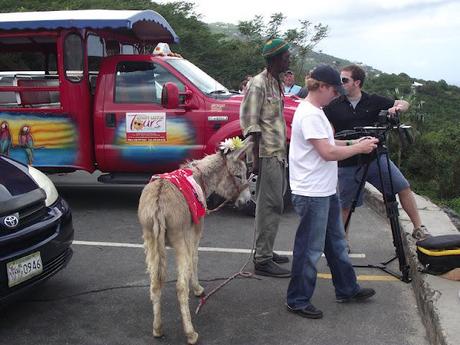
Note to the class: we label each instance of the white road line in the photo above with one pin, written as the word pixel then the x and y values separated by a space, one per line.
pixel 201 249
pixel 109 244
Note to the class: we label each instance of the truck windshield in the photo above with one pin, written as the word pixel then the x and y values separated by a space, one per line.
pixel 200 79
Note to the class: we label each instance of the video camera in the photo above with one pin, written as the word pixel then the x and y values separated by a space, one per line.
pixel 384 118
pixel 385 123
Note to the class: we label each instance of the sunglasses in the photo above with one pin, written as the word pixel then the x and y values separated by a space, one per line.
pixel 345 80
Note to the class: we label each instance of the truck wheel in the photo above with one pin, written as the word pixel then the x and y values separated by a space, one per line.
pixel 250 207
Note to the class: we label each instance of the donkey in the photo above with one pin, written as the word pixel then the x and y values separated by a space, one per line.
pixel 165 218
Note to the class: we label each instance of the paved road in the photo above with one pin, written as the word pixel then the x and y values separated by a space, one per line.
pixel 102 296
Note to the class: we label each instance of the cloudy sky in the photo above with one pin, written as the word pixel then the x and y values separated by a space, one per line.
pixel 418 37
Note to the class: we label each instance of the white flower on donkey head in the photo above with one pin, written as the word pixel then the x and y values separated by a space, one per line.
pixel 230 144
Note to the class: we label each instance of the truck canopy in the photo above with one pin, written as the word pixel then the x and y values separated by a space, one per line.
pixel 145 25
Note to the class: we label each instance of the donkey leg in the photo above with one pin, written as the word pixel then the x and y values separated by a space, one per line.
pixel 198 290
pixel 183 276
pixel 155 296
pixel 156 263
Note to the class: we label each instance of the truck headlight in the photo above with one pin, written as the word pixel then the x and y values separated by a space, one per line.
pixel 46 184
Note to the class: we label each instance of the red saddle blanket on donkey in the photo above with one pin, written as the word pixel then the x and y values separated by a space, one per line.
pixel 184 181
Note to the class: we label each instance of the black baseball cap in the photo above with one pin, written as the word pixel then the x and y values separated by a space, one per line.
pixel 329 75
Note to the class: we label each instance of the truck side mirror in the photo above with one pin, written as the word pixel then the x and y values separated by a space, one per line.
pixel 170 96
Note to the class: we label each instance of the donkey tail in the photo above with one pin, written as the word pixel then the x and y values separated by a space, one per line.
pixel 152 219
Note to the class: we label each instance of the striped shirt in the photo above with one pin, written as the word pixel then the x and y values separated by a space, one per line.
pixel 262 112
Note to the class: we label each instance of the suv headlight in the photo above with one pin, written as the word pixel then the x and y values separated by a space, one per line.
pixel 46 184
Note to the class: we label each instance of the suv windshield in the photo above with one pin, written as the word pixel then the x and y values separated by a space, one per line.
pixel 200 79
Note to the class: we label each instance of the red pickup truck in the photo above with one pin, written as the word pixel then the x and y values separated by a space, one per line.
pixel 79 91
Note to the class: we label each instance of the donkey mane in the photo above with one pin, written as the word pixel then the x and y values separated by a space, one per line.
pixel 207 170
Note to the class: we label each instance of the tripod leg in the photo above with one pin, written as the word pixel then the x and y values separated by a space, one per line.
pixel 391 207
pixel 358 192
pixel 393 216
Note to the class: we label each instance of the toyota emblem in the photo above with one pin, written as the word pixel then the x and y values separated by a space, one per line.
pixel 11 221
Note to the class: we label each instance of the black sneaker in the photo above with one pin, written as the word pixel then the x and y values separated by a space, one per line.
pixel 361 295
pixel 309 312
pixel 271 269
pixel 280 259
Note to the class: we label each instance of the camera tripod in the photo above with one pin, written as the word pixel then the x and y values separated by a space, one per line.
pixel 391 208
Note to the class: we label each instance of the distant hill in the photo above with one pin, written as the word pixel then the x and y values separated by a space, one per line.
pixel 314 58
pixel 227 29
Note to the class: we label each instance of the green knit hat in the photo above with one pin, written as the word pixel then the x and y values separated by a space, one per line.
pixel 274 47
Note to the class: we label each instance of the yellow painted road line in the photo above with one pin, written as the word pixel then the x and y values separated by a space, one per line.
pixel 364 277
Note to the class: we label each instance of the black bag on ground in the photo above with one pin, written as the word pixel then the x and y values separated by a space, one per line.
pixel 439 254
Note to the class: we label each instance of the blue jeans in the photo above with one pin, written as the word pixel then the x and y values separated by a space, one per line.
pixel 320 230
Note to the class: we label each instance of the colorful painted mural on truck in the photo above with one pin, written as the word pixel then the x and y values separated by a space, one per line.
pixel 5 138
pixel 39 140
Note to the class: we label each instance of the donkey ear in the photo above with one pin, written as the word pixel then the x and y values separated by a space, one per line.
pixel 241 152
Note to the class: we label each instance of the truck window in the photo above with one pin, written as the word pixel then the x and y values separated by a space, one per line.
pixel 112 47
pixel 73 57
pixel 95 51
pixel 200 79
pixel 142 82
pixel 128 49
pixel 29 62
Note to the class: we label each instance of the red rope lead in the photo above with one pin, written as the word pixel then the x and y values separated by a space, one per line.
pixel 241 273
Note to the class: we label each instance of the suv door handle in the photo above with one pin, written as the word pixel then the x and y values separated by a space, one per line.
pixel 110 120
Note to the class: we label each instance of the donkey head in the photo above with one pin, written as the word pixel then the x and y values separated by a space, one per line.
pixel 234 183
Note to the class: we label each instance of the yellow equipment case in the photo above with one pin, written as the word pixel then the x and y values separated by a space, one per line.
pixel 439 254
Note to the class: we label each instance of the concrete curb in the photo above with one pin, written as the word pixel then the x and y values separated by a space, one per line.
pixel 438 299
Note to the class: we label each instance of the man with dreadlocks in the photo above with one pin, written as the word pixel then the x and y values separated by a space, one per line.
pixel 261 116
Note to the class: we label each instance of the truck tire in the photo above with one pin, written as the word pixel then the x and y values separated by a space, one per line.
pixel 250 207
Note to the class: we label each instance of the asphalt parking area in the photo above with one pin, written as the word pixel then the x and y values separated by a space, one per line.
pixel 102 297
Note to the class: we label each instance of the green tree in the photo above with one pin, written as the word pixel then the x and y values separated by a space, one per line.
pixel 302 39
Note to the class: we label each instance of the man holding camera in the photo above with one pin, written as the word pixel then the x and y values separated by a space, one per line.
pixel 313 160
pixel 359 109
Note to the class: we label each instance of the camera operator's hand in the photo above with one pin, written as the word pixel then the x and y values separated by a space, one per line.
pixel 399 106
pixel 394 110
pixel 366 144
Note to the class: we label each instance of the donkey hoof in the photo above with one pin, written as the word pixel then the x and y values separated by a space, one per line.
pixel 158 333
pixel 199 291
pixel 192 338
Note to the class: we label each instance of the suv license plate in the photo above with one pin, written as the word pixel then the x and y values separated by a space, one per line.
pixel 24 268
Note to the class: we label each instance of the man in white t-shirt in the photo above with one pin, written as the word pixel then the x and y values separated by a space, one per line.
pixel 313 178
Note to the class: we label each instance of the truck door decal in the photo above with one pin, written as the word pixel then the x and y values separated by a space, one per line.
pixel 180 139
pixel 146 126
